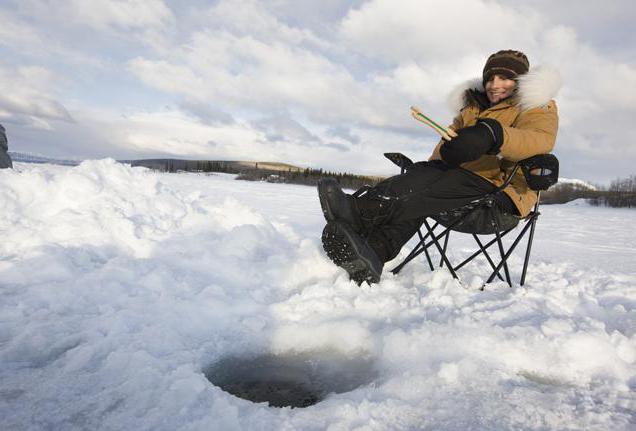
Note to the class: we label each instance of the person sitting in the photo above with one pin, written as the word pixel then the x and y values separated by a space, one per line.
pixel 506 116
pixel 5 160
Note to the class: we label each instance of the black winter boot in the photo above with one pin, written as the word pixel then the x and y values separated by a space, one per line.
pixel 350 251
pixel 337 205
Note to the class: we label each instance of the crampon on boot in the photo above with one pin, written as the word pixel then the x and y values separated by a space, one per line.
pixel 351 252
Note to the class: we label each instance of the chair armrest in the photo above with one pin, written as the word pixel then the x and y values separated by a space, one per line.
pixel 399 159
pixel 541 171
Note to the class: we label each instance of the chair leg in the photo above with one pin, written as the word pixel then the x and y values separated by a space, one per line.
pixel 441 261
pixel 441 252
pixel 417 250
pixel 422 247
pixel 483 250
pixel 502 254
pixel 428 256
pixel 510 250
pixel 529 248
pixel 493 214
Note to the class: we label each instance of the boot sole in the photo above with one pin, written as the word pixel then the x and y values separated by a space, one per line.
pixel 345 248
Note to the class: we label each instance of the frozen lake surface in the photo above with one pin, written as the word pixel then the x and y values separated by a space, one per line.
pixel 120 287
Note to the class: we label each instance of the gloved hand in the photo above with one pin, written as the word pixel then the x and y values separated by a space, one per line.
pixel 472 142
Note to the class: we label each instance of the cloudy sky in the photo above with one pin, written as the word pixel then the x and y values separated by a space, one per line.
pixel 314 83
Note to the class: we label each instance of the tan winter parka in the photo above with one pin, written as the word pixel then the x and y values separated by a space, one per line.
pixel 529 121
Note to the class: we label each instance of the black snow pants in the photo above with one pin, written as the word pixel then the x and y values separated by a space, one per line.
pixel 393 210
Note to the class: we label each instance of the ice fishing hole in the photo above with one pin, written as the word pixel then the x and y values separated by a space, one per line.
pixel 290 380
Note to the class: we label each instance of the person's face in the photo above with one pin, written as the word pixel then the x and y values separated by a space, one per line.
pixel 499 87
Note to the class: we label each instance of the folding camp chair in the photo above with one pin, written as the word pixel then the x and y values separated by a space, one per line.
pixel 481 217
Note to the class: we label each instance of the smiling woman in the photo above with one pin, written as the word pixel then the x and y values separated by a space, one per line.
pixel 509 118
pixel 500 73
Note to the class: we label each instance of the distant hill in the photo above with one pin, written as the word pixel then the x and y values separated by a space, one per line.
pixel 230 166
pixel 165 164
pixel 273 166
pixel 257 171
pixel 568 189
pixel 37 158
pixel 575 182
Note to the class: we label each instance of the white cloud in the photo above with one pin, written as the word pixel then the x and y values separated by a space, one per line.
pixel 250 74
pixel 26 97
pixel 123 14
pixel 435 31
pixel 168 77
pixel 597 103
pixel 94 28
pixel 282 128
pixel 14 32
pixel 99 15
pixel 174 133
pixel 205 112
pixel 250 17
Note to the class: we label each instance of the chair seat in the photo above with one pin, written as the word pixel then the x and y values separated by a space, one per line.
pixel 478 221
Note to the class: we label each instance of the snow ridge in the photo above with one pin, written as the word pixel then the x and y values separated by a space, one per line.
pixel 577 182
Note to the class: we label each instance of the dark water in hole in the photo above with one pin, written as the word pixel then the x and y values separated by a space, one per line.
pixel 290 380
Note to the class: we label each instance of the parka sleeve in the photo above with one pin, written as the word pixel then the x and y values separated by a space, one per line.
pixel 534 132
pixel 458 123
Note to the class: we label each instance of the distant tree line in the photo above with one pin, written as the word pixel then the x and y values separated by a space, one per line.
pixel 561 193
pixel 308 177
pixel 621 193
pixel 176 165
pixel 253 172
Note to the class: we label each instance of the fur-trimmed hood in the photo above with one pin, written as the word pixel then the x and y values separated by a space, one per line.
pixel 535 88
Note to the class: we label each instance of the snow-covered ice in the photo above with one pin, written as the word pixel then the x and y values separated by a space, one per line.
pixel 119 286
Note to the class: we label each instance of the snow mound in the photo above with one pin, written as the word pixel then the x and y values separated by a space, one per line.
pixel 577 182
pixel 581 202
pixel 120 287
